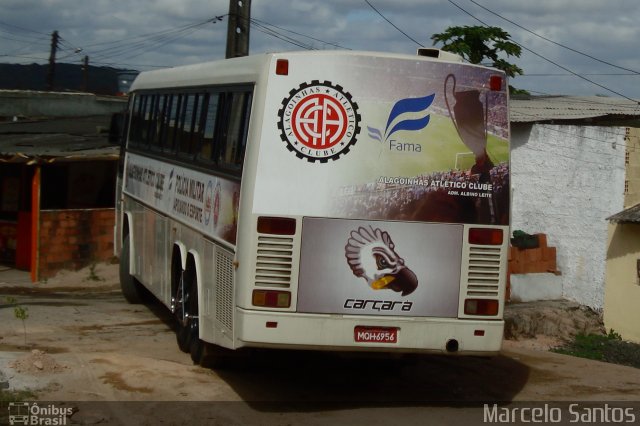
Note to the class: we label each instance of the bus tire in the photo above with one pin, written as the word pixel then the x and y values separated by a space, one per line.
pixel 132 289
pixel 183 331
pixel 183 338
pixel 196 346
pixel 196 349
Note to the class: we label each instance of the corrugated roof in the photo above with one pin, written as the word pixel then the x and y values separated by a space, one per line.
pixel 629 215
pixel 556 108
pixel 62 139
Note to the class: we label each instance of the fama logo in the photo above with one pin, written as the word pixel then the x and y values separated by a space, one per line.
pixel 409 115
pixel 319 121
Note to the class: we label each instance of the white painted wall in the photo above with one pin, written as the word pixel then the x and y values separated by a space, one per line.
pixel 566 181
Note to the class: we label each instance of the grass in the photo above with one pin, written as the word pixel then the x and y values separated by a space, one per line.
pixel 7 396
pixel 608 348
pixel 93 276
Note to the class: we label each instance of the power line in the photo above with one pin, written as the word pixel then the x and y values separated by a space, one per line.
pixel 266 30
pixel 612 134
pixel 128 65
pixel 19 37
pixel 589 139
pixel 131 47
pixel 394 25
pixel 257 21
pixel 117 48
pixel 608 74
pixel 552 41
pixel 135 43
pixel 23 29
pixel 565 156
pixel 547 59
pixel 30 57
pixel 26 40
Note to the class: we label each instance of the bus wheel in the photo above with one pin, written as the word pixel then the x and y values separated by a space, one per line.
pixel 132 289
pixel 196 346
pixel 181 312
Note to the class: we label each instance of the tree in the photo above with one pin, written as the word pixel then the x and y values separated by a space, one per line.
pixel 478 42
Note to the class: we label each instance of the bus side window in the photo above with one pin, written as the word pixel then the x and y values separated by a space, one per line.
pixel 184 123
pixel 165 120
pixel 174 123
pixel 134 133
pixel 244 129
pixel 209 136
pixel 139 130
pixel 157 121
pixel 198 123
pixel 231 153
pixel 147 124
pixel 188 126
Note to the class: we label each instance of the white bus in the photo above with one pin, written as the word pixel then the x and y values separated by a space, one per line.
pixel 342 201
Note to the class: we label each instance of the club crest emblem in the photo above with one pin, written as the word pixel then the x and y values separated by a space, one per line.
pixel 208 203
pixel 319 121
pixel 216 205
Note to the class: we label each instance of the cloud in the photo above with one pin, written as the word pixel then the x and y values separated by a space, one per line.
pixel 122 32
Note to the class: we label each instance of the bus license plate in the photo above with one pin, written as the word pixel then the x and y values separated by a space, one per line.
pixel 376 334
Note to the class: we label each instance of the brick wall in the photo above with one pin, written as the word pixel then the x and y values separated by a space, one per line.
pixel 73 239
pixel 532 260
pixel 541 259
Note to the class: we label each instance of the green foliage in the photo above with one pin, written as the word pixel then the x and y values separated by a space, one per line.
pixel 477 43
pixel 608 348
pixel 516 91
pixel 21 313
pixel 7 396
pixel 93 276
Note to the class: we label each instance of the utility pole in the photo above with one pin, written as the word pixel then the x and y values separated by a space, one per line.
pixel 238 28
pixel 52 60
pixel 85 74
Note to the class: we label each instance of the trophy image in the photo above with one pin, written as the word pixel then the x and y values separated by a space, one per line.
pixel 469 117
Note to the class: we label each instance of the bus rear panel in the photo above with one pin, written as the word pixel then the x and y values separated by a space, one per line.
pixel 380 212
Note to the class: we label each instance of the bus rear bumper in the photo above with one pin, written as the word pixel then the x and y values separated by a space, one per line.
pixel 338 332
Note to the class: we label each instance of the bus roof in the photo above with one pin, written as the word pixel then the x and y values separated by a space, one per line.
pixel 227 71
pixel 247 69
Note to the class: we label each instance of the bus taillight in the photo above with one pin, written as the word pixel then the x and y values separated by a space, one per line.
pixel 495 83
pixel 276 225
pixel 485 236
pixel 282 67
pixel 271 298
pixel 484 307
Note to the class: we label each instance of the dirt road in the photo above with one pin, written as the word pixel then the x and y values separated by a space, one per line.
pixel 90 345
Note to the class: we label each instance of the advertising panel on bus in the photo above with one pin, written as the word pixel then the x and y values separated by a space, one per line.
pixel 380 138
pixel 205 202
pixel 380 268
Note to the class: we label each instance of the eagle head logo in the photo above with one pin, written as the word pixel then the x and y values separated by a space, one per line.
pixel 371 255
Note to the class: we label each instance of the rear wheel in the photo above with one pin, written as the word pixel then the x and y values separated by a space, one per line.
pixel 132 289
pixel 186 312
pixel 181 311
pixel 196 346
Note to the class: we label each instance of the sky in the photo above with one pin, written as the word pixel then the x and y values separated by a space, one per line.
pixel 569 47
